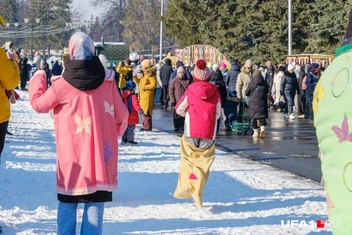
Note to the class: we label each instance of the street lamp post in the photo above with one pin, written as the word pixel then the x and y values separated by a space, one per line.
pixel 37 21
pixel 289 27
pixel 161 30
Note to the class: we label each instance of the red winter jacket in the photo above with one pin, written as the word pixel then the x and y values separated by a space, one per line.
pixel 201 107
pixel 131 101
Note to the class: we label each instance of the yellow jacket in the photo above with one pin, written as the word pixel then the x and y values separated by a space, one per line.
pixel 9 79
pixel 147 85
pixel 123 70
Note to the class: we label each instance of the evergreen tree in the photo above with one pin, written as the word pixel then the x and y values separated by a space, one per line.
pixel 61 12
pixel 182 21
pixel 258 29
pixel 327 26
pixel 9 12
pixel 95 30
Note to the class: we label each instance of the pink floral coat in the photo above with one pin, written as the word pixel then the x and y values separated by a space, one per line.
pixel 87 127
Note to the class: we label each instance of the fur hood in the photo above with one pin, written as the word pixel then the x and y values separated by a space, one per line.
pixel 151 71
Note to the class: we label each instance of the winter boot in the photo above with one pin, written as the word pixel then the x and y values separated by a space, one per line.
pixel 262 132
pixel 132 142
pixel 255 133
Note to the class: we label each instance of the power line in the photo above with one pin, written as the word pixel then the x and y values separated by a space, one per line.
pixel 37 32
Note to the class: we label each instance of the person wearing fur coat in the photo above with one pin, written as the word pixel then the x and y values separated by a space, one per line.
pixel 147 84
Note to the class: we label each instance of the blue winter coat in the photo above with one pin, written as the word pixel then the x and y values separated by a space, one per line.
pixel 311 82
pixel 232 75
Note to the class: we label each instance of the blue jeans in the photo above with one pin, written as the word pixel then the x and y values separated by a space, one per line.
pixel 92 221
pixel 157 98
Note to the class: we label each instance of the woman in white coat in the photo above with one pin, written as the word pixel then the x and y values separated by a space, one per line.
pixel 275 90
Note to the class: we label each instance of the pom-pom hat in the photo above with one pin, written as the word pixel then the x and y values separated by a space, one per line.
pixel 201 72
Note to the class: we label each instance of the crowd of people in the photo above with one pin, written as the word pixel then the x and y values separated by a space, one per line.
pixel 89 95
pixel 288 89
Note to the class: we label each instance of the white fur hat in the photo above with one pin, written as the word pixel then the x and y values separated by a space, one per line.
pixel 134 56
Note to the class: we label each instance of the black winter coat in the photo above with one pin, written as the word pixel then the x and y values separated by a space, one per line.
pixel 269 76
pixel 165 72
pixel 289 82
pixel 258 106
pixel 217 80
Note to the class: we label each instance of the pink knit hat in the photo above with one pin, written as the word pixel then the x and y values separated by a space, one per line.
pixel 223 66
pixel 201 72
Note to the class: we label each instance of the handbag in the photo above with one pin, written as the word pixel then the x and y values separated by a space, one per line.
pixel 248 99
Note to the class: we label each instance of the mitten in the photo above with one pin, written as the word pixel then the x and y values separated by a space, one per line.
pixel 138 71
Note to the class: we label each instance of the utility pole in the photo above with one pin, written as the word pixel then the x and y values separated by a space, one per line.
pixel 289 27
pixel 161 29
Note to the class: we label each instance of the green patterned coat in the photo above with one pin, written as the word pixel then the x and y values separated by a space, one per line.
pixel 333 121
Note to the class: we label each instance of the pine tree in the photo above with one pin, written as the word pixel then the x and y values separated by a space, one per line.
pixel 9 12
pixel 95 30
pixel 327 26
pixel 61 14
pixel 182 21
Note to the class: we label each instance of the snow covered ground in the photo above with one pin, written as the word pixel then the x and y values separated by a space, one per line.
pixel 241 196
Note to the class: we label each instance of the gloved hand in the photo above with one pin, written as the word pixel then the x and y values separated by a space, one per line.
pixel 173 104
pixel 140 112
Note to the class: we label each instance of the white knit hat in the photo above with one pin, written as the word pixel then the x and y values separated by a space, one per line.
pixel 290 67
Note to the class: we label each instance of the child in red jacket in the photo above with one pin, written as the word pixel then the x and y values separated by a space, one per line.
pixel 130 99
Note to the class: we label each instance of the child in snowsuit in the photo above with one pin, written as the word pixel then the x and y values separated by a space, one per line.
pixel 201 107
pixel 130 99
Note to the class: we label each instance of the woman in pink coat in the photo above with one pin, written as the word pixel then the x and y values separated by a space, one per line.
pixel 89 116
